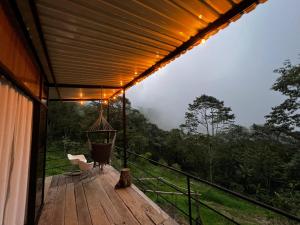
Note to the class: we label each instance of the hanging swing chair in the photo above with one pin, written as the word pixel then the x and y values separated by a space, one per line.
pixel 101 140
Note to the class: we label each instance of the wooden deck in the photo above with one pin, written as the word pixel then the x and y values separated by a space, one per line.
pixel 70 201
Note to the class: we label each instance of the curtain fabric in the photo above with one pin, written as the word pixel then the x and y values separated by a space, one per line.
pixel 15 143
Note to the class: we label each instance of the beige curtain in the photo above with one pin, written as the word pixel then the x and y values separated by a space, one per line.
pixel 15 143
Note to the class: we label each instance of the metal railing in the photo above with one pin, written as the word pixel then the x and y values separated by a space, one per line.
pixel 278 215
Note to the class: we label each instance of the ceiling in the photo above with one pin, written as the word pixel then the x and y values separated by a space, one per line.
pixel 96 48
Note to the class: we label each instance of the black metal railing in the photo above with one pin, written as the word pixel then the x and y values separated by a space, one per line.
pixel 139 171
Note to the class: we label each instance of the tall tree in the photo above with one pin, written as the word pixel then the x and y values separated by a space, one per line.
pixel 286 116
pixel 209 113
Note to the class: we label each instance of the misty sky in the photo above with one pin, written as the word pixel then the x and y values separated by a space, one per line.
pixel 236 66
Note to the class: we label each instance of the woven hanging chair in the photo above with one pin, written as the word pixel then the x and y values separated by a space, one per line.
pixel 101 149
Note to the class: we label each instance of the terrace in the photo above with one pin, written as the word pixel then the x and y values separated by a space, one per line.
pixel 94 51
pixel 95 201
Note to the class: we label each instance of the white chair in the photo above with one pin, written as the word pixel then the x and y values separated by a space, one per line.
pixel 74 159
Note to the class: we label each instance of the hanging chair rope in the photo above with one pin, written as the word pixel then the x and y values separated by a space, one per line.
pixel 102 126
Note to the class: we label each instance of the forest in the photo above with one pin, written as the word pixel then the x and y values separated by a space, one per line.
pixel 261 161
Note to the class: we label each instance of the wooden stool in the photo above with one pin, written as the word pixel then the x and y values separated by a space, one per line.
pixel 125 179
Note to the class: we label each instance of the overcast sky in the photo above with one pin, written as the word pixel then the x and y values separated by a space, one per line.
pixel 236 66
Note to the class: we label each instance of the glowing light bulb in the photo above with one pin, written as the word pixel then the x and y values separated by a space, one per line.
pixel 122 91
pixel 121 82
pixel 200 16
pixel 181 33
pixel 105 102
pixel 114 97
pixel 203 41
pixel 135 73
pixel 81 102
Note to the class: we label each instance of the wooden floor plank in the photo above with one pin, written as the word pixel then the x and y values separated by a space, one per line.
pixel 54 181
pixel 70 206
pixel 117 202
pixel 59 208
pixel 152 211
pixel 134 205
pixel 108 207
pixel 97 212
pixel 48 181
pixel 49 205
pixel 81 205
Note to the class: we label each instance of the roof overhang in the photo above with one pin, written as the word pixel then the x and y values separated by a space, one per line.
pixel 92 50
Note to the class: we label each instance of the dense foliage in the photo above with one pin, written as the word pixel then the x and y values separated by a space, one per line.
pixel 262 161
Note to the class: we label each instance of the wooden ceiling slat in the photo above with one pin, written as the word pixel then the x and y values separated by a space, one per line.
pixel 97 32
pixel 109 67
pixel 101 42
pixel 60 45
pixel 102 17
pixel 98 60
pixel 75 20
pixel 81 50
pixel 135 14
pixel 92 36
pixel 62 68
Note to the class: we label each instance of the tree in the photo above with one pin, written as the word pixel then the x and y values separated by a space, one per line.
pixel 286 116
pixel 211 114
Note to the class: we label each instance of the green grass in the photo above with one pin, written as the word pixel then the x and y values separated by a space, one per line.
pixel 242 211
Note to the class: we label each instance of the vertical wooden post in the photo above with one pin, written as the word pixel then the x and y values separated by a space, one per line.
pixel 107 112
pixel 108 120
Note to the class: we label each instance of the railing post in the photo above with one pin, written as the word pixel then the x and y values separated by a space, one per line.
pixel 189 199
pixel 124 131
pixel 108 120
